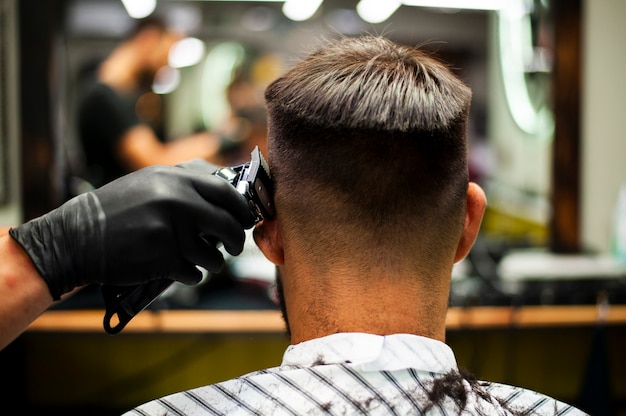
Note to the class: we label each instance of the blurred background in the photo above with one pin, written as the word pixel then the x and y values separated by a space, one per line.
pixel 546 143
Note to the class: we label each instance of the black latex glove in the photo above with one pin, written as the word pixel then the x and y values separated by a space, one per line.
pixel 144 226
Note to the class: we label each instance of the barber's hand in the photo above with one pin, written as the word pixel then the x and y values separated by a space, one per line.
pixel 158 222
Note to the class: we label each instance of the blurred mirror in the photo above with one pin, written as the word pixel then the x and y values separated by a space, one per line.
pixel 229 51
pixel 503 50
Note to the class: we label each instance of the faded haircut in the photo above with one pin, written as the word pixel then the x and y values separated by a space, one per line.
pixel 367 145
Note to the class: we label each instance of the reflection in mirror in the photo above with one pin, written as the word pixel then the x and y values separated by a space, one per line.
pixel 503 50
pixel 247 44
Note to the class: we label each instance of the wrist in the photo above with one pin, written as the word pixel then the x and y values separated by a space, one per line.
pixel 23 291
pixel 18 272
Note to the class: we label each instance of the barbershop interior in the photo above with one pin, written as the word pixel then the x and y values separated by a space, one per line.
pixel 540 300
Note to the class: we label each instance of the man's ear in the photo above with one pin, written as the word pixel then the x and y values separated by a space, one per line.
pixel 268 238
pixel 476 204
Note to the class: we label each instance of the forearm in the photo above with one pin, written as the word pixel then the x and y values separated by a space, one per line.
pixel 24 293
pixel 139 147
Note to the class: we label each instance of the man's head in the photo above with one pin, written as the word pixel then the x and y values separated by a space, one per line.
pixel 153 41
pixel 367 146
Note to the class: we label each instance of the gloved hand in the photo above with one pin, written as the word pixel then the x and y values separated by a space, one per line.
pixel 155 223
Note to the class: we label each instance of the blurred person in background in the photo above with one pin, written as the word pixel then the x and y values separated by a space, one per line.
pixel 118 116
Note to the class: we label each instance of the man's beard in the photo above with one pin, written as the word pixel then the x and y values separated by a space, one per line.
pixel 280 300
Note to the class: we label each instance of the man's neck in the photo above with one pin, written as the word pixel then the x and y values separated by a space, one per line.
pixel 382 305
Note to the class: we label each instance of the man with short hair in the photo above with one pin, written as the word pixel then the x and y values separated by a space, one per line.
pixel 368 150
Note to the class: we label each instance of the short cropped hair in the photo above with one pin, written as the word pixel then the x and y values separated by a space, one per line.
pixel 367 145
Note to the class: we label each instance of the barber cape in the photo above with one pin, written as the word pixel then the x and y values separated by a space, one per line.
pixel 356 373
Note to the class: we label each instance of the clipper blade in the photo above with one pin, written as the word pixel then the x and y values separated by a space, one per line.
pixel 261 185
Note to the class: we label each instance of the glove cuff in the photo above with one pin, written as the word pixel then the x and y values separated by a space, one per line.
pixel 25 236
pixel 60 244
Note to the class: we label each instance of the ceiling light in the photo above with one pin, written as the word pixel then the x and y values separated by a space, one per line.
pixel 166 80
pixel 186 52
pixel 138 9
pixel 459 4
pixel 300 10
pixel 377 11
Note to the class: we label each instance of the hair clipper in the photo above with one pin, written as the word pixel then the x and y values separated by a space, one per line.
pixel 253 181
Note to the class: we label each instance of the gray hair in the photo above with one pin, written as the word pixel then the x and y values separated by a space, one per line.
pixel 372 84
